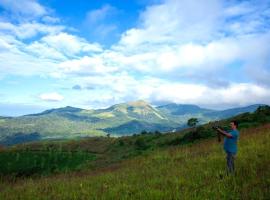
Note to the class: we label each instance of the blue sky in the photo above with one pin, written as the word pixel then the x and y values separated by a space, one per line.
pixel 92 54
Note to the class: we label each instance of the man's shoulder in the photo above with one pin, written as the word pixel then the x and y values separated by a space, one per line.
pixel 235 132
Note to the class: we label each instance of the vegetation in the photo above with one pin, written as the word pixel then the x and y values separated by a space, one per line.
pixel 192 122
pixel 183 165
pixel 28 163
pixel 179 172
pixel 120 119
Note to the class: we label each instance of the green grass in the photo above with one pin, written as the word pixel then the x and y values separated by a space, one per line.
pixel 193 171
pixel 28 163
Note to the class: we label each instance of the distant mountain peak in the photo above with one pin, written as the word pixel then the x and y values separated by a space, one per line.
pixel 139 103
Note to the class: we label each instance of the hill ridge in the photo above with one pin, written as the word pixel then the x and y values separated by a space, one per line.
pixel 72 122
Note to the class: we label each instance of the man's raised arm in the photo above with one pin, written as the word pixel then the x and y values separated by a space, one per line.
pixel 224 133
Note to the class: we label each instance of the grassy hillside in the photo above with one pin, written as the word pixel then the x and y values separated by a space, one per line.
pixel 179 172
pixel 185 165
pixel 108 150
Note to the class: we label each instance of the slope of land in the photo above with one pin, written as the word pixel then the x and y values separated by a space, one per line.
pixel 121 119
pixel 179 172
pixel 185 165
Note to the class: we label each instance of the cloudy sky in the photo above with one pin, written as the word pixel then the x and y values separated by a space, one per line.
pixel 92 54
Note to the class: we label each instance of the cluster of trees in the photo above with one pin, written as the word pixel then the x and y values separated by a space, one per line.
pixel 245 120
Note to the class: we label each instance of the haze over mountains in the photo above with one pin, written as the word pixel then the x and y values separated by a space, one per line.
pixel 120 119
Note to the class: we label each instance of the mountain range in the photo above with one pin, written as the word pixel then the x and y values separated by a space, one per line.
pixel 120 119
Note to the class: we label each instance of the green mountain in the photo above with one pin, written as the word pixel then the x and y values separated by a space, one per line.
pixel 136 126
pixel 182 109
pixel 231 112
pixel 120 119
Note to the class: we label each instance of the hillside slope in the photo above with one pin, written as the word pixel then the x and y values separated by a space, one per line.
pixel 121 119
pixel 179 172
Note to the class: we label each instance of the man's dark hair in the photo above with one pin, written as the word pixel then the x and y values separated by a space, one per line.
pixel 235 123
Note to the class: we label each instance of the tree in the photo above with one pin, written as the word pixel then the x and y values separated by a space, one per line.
pixel 192 122
pixel 144 132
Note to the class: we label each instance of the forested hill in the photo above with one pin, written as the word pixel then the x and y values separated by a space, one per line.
pixel 120 119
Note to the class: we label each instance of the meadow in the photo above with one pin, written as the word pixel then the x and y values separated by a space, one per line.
pixel 192 171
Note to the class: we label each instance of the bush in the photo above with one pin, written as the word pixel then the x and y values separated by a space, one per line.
pixel 141 144
pixel 121 143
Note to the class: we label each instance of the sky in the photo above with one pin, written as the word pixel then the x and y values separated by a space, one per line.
pixel 96 53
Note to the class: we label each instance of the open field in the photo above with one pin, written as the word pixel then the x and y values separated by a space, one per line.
pixel 194 171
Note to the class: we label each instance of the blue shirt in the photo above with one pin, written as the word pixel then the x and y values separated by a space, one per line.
pixel 230 144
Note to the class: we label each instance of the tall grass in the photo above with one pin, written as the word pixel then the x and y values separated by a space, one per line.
pixel 27 163
pixel 188 172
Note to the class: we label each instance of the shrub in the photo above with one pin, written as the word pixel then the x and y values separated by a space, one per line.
pixel 141 144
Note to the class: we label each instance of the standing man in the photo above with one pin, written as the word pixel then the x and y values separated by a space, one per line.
pixel 230 144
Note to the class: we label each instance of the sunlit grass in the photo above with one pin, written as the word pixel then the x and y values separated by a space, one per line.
pixel 183 172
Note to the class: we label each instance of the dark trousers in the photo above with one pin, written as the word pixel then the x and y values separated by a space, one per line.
pixel 230 162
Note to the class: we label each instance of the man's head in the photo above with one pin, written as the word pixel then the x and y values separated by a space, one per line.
pixel 234 124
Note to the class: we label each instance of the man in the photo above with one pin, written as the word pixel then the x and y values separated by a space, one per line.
pixel 230 144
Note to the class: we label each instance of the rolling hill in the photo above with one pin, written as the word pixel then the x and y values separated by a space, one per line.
pixel 120 119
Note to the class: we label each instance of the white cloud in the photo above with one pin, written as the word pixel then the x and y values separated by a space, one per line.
pixel 29 30
pixel 20 59
pixel 49 19
pixel 70 45
pixel 42 50
pixel 193 57
pixel 238 94
pixel 24 7
pixel 176 21
pixel 123 88
pixel 239 9
pixel 22 64
pixel 178 52
pixel 185 21
pixel 45 57
pixel 99 15
pixel 54 96
pixel 85 66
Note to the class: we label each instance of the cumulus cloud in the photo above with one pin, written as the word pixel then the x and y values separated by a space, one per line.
pixel 70 44
pixel 235 94
pixel 54 96
pixel 48 56
pixel 198 37
pixel 196 21
pixel 181 21
pixel 110 90
pixel 211 52
pixel 85 66
pixel 44 51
